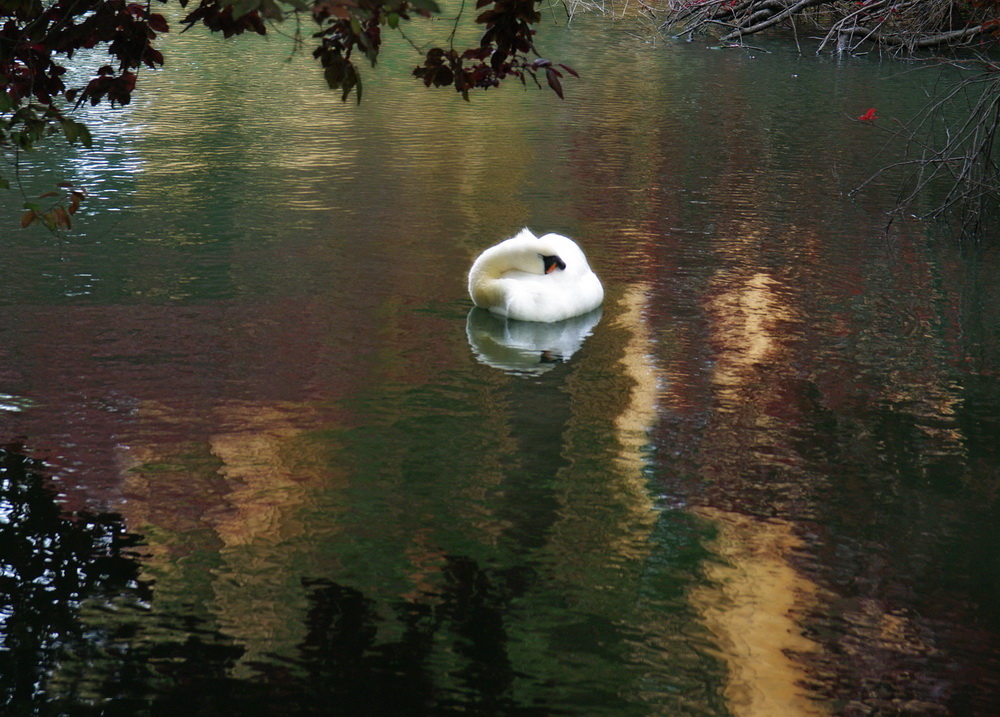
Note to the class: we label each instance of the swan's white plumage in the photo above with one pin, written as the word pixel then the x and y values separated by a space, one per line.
pixel 510 279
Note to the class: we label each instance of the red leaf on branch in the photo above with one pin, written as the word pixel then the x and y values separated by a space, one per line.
pixel 158 23
pixel 868 116
pixel 553 75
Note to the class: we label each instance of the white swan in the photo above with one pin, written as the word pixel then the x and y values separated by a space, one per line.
pixel 531 278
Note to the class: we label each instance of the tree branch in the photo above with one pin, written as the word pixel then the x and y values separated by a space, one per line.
pixel 773 19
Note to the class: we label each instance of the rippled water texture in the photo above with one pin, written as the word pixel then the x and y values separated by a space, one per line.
pixel 276 465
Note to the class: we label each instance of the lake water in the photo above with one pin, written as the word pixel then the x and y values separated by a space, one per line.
pixel 275 465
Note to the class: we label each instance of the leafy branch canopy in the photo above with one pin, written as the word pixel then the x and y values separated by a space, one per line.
pixel 39 38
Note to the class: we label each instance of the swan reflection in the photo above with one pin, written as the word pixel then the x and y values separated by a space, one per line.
pixel 526 347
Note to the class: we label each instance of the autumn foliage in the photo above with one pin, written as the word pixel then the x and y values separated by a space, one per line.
pixel 39 39
pixel 503 52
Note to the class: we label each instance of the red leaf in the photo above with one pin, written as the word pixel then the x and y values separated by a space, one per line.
pixel 153 57
pixel 552 75
pixel 158 23
pixel 61 218
pixel 868 116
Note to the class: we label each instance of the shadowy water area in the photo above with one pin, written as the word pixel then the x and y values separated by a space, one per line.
pixel 261 457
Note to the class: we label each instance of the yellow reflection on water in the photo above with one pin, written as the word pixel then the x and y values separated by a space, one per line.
pixel 235 499
pixel 746 312
pixel 634 422
pixel 756 599
pixel 639 414
pixel 751 608
pixel 605 524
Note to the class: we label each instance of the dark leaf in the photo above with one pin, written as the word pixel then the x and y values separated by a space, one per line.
pixel 158 23
pixel 443 77
pixel 335 72
pixel 153 57
pixel 76 131
pixel 552 75
pixel 349 81
pixel 61 218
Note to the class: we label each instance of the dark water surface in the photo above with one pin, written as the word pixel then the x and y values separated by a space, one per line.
pixel 263 460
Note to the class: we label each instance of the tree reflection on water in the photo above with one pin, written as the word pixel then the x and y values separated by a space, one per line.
pixel 347 669
pixel 77 637
pixel 55 569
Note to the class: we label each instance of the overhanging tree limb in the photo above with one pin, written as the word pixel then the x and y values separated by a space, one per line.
pixel 38 41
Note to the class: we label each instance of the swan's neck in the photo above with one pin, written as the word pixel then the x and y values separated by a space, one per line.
pixel 494 265
pixel 485 283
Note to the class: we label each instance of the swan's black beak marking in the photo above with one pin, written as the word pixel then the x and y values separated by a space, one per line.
pixel 552 263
